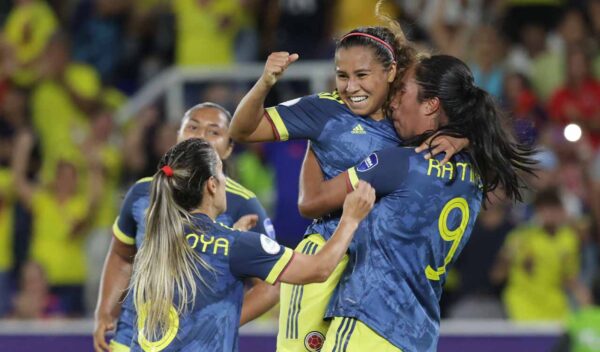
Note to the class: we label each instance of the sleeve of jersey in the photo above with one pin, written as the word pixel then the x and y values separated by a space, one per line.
pixel 264 224
pixel 256 255
pixel 383 169
pixel 302 118
pixel 125 226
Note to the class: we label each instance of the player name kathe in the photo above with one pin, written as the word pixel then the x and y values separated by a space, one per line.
pixel 464 171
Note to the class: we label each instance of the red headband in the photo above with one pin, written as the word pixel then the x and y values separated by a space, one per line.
pixel 167 170
pixel 382 42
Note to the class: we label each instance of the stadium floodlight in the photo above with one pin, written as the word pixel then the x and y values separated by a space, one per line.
pixel 572 132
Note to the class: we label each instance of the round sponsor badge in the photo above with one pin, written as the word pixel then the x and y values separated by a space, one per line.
pixel 314 341
pixel 367 164
pixel 269 245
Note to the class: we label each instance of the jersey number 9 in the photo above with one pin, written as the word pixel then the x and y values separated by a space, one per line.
pixel 453 236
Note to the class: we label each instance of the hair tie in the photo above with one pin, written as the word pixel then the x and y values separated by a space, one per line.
pixel 167 170
pixel 379 40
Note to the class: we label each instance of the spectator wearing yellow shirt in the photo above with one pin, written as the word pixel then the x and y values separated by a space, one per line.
pixel 61 217
pixel 6 238
pixel 27 30
pixel 99 238
pixel 62 103
pixel 206 31
pixel 540 262
pixel 12 116
pixel 350 14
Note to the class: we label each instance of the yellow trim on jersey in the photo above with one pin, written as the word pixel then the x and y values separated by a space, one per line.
pixel 120 235
pixel 241 194
pixel 350 334
pixel 118 347
pixel 235 184
pixel 225 226
pixel 353 177
pixel 279 266
pixel 284 135
pixel 335 96
pixel 145 179
pixel 238 189
pixel 316 238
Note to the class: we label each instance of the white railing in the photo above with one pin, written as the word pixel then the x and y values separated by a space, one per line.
pixel 170 83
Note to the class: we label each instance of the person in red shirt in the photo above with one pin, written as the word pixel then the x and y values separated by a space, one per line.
pixel 578 101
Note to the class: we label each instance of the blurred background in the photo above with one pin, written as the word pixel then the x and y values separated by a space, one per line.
pixel 92 91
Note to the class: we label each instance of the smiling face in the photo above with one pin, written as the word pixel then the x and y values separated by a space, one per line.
pixel 210 124
pixel 412 117
pixel 362 81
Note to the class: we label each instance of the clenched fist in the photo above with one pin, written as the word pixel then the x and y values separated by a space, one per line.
pixel 276 64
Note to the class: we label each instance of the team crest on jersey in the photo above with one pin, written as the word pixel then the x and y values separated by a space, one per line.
pixel 370 162
pixel 314 341
pixel 269 245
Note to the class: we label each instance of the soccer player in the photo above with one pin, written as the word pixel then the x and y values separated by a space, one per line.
pixel 209 121
pixel 388 298
pixel 188 274
pixel 343 127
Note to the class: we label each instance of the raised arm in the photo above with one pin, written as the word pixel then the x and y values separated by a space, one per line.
pixel 113 284
pixel 306 269
pixel 249 123
pixel 19 164
pixel 318 197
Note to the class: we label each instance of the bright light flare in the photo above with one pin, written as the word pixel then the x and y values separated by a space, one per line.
pixel 572 132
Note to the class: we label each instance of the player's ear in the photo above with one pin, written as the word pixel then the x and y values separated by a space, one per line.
pixel 211 186
pixel 392 73
pixel 229 150
pixel 432 106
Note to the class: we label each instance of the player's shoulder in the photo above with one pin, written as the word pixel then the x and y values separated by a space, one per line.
pixel 236 190
pixel 322 100
pixel 333 98
pixel 143 184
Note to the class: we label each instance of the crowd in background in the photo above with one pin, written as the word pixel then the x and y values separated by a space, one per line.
pixel 67 66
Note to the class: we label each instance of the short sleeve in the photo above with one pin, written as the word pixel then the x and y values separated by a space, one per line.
pixel 256 255
pixel 264 224
pixel 125 226
pixel 383 169
pixel 302 118
pixel 241 201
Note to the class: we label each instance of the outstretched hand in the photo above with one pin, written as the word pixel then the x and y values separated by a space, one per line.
pixel 276 65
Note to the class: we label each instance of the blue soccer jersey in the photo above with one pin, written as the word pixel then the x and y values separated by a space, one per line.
pixel 405 246
pixel 339 137
pixel 130 225
pixel 129 228
pixel 211 324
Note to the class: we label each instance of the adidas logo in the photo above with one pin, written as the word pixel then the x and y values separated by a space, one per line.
pixel 358 129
